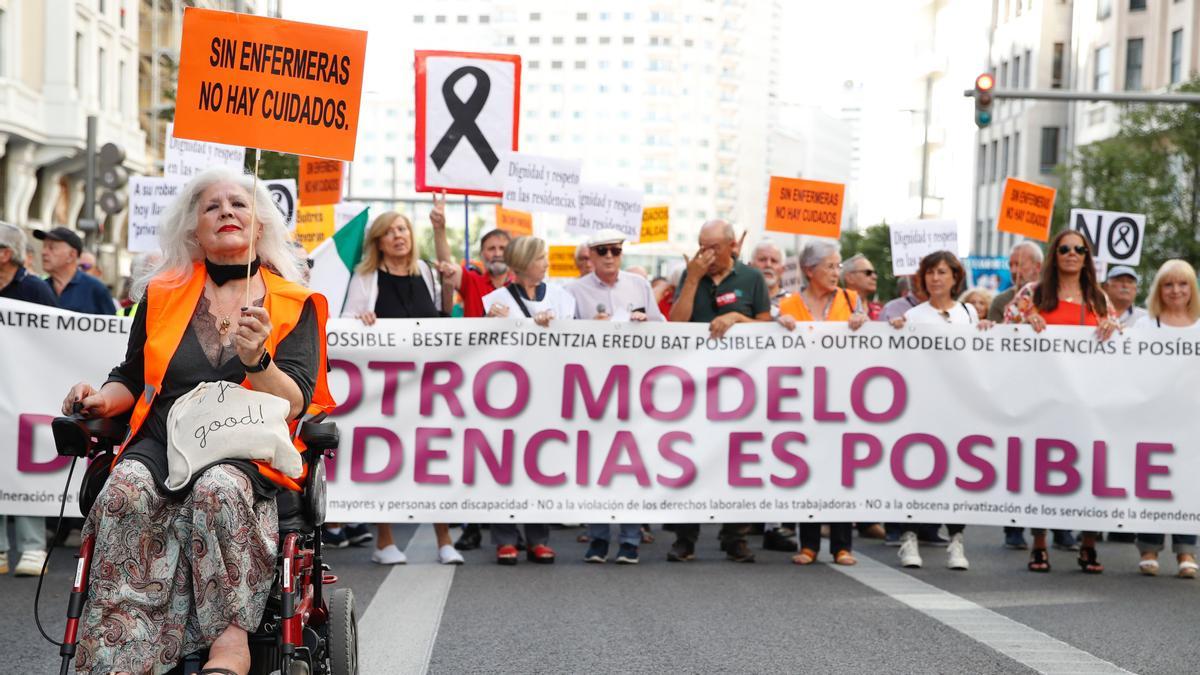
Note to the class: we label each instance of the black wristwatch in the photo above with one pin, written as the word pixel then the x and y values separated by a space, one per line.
pixel 263 363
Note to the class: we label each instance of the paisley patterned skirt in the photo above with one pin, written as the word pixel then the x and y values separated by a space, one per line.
pixel 169 576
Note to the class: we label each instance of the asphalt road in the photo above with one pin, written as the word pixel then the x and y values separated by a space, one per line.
pixel 718 616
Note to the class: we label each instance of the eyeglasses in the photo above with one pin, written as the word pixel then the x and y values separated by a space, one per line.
pixel 1066 248
pixel 605 250
pixel 869 273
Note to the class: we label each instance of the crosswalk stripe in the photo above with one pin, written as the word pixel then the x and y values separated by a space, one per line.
pixel 1013 639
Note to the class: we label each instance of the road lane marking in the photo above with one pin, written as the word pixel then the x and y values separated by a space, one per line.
pixel 397 632
pixel 1013 639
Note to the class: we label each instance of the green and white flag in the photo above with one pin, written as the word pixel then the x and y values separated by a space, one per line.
pixel 334 261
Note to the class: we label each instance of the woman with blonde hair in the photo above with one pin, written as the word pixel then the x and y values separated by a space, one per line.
pixel 1174 303
pixel 393 282
pixel 980 298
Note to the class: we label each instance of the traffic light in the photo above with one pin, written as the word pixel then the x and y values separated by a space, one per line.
pixel 112 176
pixel 983 100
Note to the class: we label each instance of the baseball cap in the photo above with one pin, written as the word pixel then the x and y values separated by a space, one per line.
pixel 1122 271
pixel 60 234
pixel 608 236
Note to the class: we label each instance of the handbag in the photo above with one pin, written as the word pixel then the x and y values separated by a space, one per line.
pixel 217 421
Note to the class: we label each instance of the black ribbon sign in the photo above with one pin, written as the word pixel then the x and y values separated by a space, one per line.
pixel 464 114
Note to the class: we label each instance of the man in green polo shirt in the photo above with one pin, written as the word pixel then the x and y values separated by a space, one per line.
pixel 719 290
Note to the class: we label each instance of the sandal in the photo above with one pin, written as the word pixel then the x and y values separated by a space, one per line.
pixel 1188 569
pixel 1039 560
pixel 1148 566
pixel 806 556
pixel 1088 561
pixel 844 557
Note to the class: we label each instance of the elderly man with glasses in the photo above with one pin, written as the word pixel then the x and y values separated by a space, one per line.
pixel 858 275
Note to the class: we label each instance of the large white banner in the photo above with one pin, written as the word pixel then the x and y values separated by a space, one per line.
pixel 493 420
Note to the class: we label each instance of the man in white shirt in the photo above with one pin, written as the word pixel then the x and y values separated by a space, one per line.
pixel 609 292
pixel 1121 286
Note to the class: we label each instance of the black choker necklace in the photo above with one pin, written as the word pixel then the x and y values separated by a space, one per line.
pixel 223 273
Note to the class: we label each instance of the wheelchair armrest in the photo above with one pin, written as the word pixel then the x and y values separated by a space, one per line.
pixel 319 436
pixel 77 436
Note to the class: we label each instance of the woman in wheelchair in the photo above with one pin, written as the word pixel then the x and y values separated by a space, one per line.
pixel 176 572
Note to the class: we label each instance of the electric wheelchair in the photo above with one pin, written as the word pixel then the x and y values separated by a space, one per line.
pixel 305 630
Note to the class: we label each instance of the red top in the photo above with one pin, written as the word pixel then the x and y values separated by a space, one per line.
pixel 1070 314
pixel 474 286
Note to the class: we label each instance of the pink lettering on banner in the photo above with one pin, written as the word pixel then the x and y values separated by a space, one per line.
pixel 821 411
pixel 533 447
pixel 501 468
pixel 941 461
pixel 1013 475
pixel 799 466
pixel 391 382
pixel 1144 470
pixel 355 393
pixel 715 375
pixel 575 379
pixel 26 424
pixel 1100 486
pixel 1043 466
pixel 480 389
pixel 987 474
pixel 738 457
pixel 423 455
pixel 358 455
pixel 776 393
pixel 430 387
pixel 852 463
pixel 666 448
pixel 583 457
pixel 858 395
pixel 686 401
pixel 624 442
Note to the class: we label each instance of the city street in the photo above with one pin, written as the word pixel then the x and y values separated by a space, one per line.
pixel 718 616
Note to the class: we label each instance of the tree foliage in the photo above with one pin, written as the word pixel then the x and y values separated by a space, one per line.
pixel 875 242
pixel 273 165
pixel 1151 166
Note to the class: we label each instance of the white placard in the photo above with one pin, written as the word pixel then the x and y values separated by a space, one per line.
pixel 1116 237
pixel 548 184
pixel 149 198
pixel 916 239
pixel 461 139
pixel 184 158
pixel 283 193
pixel 790 281
pixel 606 207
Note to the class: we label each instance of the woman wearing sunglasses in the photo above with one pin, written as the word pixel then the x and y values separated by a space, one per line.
pixel 940 277
pixel 1068 294
pixel 1173 304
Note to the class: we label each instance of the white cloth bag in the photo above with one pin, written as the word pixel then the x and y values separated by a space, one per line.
pixel 223 420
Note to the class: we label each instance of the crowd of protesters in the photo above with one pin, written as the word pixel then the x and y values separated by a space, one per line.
pixel 1056 286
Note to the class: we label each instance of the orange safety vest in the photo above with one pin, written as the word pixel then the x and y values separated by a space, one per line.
pixel 844 302
pixel 169 311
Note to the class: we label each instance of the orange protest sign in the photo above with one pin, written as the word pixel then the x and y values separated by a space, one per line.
pixel 269 84
pixel 655 220
pixel 517 223
pixel 798 206
pixel 320 181
pixel 562 261
pixel 1026 209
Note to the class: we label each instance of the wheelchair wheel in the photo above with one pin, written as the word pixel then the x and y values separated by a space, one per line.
pixel 343 633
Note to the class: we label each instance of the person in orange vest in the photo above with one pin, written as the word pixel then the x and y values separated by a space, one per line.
pixel 193 325
pixel 822 300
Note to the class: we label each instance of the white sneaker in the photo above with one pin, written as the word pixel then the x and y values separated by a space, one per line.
pixel 956 555
pixel 909 555
pixel 448 555
pixel 389 555
pixel 31 564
